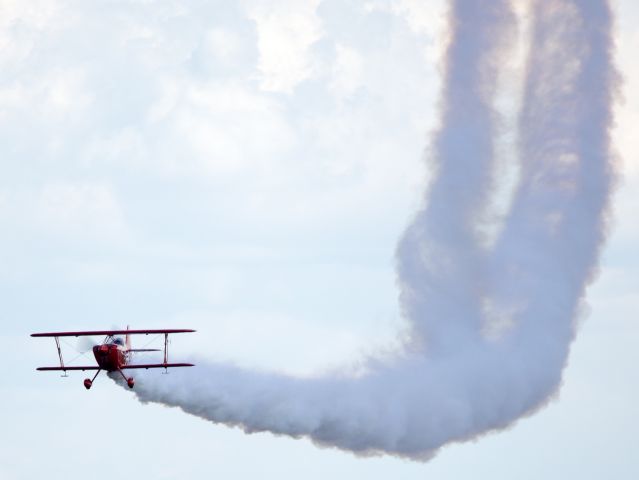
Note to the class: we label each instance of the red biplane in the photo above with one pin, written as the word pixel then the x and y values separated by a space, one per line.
pixel 114 354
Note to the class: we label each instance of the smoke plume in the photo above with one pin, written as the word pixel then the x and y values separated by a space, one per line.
pixel 490 323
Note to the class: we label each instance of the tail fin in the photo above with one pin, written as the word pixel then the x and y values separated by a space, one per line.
pixel 127 340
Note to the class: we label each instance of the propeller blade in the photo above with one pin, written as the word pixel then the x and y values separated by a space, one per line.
pixel 85 344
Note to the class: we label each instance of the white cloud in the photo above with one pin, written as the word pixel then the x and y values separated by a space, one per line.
pixel 23 24
pixel 58 94
pixel 81 211
pixel 230 128
pixel 224 44
pixel 422 17
pixel 286 31
pixel 66 91
pixel 627 111
pixel 347 70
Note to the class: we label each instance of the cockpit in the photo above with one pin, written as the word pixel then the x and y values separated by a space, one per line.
pixel 118 341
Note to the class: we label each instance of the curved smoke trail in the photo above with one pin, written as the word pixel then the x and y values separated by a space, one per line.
pixel 453 382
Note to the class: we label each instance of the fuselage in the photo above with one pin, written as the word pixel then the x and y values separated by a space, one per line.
pixel 110 356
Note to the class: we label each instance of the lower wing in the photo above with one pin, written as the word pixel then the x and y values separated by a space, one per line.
pixel 55 369
pixel 158 365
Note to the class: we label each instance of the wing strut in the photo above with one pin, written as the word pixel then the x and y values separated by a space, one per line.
pixel 57 344
pixel 166 351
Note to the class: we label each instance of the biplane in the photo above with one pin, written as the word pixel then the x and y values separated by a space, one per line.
pixel 114 354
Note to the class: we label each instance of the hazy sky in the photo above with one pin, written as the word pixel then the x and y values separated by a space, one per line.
pixel 246 168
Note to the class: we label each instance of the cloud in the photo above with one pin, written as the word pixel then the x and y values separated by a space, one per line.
pixel 81 211
pixel 348 72
pixel 286 32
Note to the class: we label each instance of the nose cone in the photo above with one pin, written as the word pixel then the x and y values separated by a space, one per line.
pixel 106 356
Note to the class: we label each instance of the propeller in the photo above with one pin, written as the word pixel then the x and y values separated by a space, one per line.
pixel 85 344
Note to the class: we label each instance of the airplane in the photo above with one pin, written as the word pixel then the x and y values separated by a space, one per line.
pixel 114 354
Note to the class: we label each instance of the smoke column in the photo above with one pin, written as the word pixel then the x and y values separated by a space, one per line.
pixel 454 382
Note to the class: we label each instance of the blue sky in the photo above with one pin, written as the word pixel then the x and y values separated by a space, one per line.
pixel 245 169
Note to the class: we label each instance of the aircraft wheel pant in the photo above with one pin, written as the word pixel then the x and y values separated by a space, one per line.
pixel 130 382
pixel 87 383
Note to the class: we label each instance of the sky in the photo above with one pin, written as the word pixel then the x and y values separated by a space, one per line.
pixel 246 169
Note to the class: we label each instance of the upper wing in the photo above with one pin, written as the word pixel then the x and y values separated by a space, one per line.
pixel 68 368
pixel 111 332
pixel 158 365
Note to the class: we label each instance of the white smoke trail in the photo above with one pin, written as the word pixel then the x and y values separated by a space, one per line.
pixel 453 383
pixel 440 256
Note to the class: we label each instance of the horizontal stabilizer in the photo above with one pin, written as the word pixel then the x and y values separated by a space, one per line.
pixel 158 365
pixel 56 369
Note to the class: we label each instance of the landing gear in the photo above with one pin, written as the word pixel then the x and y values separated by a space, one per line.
pixel 88 382
pixel 129 381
